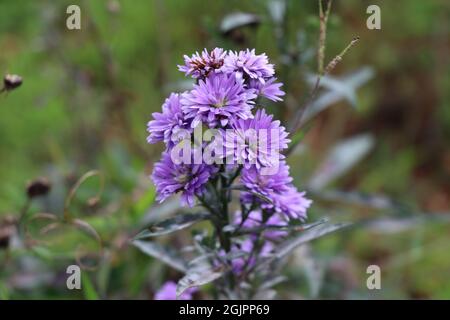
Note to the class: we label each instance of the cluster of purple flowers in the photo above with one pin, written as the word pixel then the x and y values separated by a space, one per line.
pixel 227 87
pixel 225 98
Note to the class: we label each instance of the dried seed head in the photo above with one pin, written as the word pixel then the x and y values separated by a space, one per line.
pixel 7 231
pixel 38 187
pixel 11 82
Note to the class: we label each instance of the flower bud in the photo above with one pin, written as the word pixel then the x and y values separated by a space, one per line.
pixel 11 82
pixel 38 187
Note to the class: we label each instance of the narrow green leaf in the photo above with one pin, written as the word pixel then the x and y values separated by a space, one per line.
pixel 88 288
pixel 170 225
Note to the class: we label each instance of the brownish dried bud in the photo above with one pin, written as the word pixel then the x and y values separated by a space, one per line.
pixel 11 82
pixel 7 231
pixel 38 187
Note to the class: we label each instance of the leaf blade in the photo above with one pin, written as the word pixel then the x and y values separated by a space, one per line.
pixel 170 225
pixel 161 253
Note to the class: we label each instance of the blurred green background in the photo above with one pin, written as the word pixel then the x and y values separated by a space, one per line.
pixel 88 94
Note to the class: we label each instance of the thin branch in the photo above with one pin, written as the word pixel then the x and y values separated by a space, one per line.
pixel 322 34
pixel 298 122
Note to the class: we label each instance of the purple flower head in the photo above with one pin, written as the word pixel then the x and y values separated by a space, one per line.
pixel 200 65
pixel 255 219
pixel 270 89
pixel 169 292
pixel 292 203
pixel 257 141
pixel 189 179
pixel 248 65
pixel 266 185
pixel 169 126
pixel 216 100
pixel 282 196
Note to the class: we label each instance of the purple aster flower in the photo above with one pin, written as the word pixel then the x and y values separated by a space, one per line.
pixel 255 219
pixel 217 99
pixel 292 203
pixel 257 141
pixel 200 65
pixel 169 292
pixel 270 89
pixel 282 197
pixel 248 65
pixel 265 185
pixel 189 179
pixel 169 126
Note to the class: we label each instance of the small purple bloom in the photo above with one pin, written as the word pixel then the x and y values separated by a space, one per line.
pixel 270 89
pixel 200 65
pixel 278 189
pixel 169 292
pixel 216 100
pixel 189 179
pixel 292 203
pixel 266 185
pixel 257 141
pixel 169 126
pixel 248 65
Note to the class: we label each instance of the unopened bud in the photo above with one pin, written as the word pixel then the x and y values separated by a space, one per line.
pixel 11 82
pixel 38 187
pixel 7 231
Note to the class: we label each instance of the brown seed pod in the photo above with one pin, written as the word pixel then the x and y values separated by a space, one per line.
pixel 11 82
pixel 38 187
pixel 7 230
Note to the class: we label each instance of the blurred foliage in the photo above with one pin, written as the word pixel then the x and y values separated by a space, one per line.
pixel 87 96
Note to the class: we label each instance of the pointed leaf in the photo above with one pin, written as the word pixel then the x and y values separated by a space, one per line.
pixel 341 159
pixel 170 225
pixel 198 276
pixel 161 253
pixel 289 245
pixel 238 20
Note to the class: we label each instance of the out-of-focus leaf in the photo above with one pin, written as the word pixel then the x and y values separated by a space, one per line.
pixel 145 202
pixel 272 282
pixel 199 273
pixel 4 293
pixel 395 225
pixel 161 253
pixel 313 268
pixel 277 10
pixel 238 20
pixel 88 287
pixel 162 211
pixel 341 159
pixel 170 225
pixel 347 88
pixel 103 274
pixel 289 245
pixel 357 198
pixel 265 295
